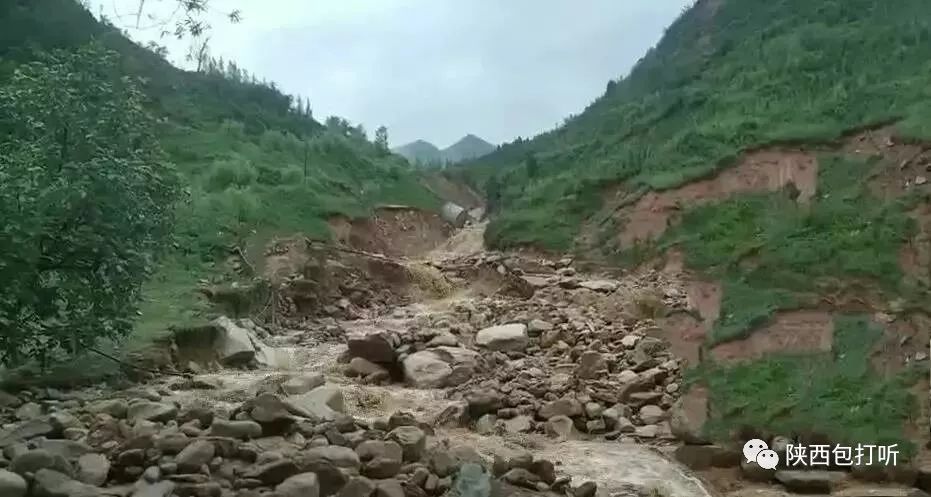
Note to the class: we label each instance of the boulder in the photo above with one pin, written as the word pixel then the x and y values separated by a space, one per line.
pixel 602 286
pixel 234 345
pixel 357 486
pixel 651 414
pixel 375 347
pixel 688 416
pixel 359 366
pixel 38 459
pixel 504 338
pixel 114 407
pixel 50 483
pixel 413 441
pixel 298 385
pixel 11 484
pixel 425 369
pixel 560 427
pixel 93 469
pixel 145 410
pixel 591 364
pixel 301 485
pixel 561 407
pixel 194 456
pixel 241 430
pixel 324 403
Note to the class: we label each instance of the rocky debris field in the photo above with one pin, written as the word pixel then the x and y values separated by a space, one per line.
pixel 545 364
pixel 293 439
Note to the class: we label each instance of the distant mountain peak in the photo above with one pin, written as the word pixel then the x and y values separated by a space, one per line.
pixel 468 147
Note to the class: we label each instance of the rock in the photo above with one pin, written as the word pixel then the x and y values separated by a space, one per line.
pixel 154 489
pixel 561 407
pixel 443 339
pixel 646 431
pixel 809 481
pixel 50 483
pixel 11 484
pixel 69 449
pixel 234 344
pixel 9 400
pixel 591 364
pixel 241 430
pixel 268 408
pixel 359 366
pixel 504 338
pixel 483 401
pixel 587 489
pixel 412 440
pixel 274 472
pixel 601 286
pixel 93 469
pixel 373 449
pixel 753 472
pixel 688 416
pixel 194 456
pixel 357 486
pixel 324 402
pixel 456 415
pixel 114 407
pixel 341 457
pixel 546 470
pixel 375 347
pixel 27 411
pixel 302 384
pixel 38 459
pixel 389 488
pixel 151 411
pixel 25 431
pixel 595 426
pixel 302 485
pixel 520 424
pixel 559 427
pixel 651 414
pixel 521 477
pixel 537 326
pixel 425 369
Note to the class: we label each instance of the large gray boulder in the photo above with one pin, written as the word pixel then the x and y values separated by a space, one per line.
pixel 11 484
pixel 504 338
pixel 324 403
pixel 440 367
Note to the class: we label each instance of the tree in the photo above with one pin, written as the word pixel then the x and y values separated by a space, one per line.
pixel 86 199
pixel 530 162
pixel 492 195
pixel 381 139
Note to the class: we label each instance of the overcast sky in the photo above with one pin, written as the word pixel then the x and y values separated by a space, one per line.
pixel 430 69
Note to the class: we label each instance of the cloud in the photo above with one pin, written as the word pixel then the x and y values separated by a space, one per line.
pixel 437 69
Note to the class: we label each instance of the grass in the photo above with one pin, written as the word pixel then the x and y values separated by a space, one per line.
pixel 835 395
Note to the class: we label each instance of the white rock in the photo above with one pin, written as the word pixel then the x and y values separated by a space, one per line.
pixel 508 337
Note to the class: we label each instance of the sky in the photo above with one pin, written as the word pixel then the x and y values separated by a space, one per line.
pixel 427 69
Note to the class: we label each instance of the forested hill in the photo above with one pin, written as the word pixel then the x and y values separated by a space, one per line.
pixel 248 162
pixel 727 76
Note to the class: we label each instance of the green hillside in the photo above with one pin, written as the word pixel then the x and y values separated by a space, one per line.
pixel 253 163
pixel 727 76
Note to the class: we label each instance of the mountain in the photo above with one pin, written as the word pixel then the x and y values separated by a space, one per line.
pixel 469 147
pixel 423 152
pixel 774 156
pixel 419 151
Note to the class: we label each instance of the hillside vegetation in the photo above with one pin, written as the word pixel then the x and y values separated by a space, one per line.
pixel 252 161
pixel 727 76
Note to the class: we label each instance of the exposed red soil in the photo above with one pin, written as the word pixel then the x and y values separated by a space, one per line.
pixel 767 170
pixel 685 335
pixel 798 331
pixel 392 231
